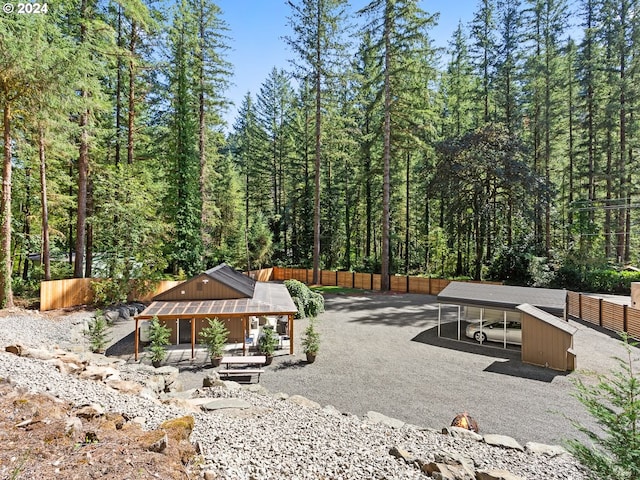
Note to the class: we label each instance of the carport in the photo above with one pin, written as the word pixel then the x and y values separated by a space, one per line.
pixel 544 304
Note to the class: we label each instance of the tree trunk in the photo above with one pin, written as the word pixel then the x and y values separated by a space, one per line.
pixel 6 292
pixel 81 217
pixel 46 260
pixel 318 145
pixel 132 94
pixel 386 155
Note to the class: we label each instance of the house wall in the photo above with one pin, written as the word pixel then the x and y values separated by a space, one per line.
pixel 545 345
pixel 201 287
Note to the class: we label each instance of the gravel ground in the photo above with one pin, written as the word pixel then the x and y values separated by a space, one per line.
pixel 381 352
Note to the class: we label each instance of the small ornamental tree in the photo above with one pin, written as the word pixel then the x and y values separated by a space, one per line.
pixel 614 402
pixel 97 333
pixel 159 338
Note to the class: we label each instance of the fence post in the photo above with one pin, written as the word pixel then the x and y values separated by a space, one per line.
pixel 600 311
pixel 407 283
pixel 371 280
pixel 580 306
pixel 337 278
pixel 353 279
pixel 624 318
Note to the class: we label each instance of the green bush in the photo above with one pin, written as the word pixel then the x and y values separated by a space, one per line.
pixel 309 303
pixel 159 336
pixel 614 402
pixel 97 333
pixel 109 291
pixel 214 337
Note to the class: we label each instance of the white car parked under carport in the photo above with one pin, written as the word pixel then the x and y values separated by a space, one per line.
pixel 495 331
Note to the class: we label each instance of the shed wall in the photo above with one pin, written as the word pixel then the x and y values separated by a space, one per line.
pixel 545 345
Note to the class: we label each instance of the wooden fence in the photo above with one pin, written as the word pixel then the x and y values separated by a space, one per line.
pixel 366 281
pixel 609 315
pixel 77 291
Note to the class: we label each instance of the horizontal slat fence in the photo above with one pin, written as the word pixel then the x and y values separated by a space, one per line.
pixel 72 292
pixel 598 311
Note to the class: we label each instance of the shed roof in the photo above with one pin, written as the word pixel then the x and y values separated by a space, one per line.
pixel 267 299
pixel 503 297
pixel 547 318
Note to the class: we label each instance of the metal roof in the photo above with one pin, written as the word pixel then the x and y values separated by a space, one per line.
pixel 239 282
pixel 503 297
pixel 268 299
pixel 547 318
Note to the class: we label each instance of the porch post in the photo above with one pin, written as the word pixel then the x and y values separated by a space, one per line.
pixel 137 339
pixel 245 332
pixel 290 334
pixel 193 338
pixel 439 316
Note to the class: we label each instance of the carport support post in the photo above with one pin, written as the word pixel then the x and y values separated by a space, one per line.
pixel 458 322
pixel 504 330
pixel 245 332
pixel 439 315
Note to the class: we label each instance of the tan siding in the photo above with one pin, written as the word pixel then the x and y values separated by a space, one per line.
pixel 613 316
pixel 545 345
pixel 201 287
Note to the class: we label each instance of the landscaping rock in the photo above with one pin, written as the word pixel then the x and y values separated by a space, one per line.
pixel 542 449
pixel 502 441
pixel 496 474
pixel 375 418
pixel 458 432
pixel 223 403
pixel 304 402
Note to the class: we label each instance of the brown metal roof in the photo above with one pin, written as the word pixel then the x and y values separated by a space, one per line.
pixel 268 299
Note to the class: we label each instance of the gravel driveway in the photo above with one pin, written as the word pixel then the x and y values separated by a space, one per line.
pixel 381 352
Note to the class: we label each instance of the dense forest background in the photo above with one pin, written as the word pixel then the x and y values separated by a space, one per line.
pixel 509 155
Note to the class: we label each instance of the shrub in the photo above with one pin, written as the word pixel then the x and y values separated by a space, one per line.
pixel 309 303
pixel 159 336
pixel 97 333
pixel 311 339
pixel 214 337
pixel 268 342
pixel 614 402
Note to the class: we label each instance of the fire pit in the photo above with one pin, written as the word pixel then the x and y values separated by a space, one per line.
pixel 466 421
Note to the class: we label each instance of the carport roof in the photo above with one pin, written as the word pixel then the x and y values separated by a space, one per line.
pixel 503 297
pixel 268 299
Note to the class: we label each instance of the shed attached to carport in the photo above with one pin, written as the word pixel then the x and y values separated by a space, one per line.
pixel 547 339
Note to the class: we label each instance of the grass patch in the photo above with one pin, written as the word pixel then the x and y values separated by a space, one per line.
pixel 333 290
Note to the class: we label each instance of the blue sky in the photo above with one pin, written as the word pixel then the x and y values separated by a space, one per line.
pixel 256 28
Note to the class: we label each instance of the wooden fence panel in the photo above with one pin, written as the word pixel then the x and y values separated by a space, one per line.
pixel 438 284
pixel 278 274
pixel 633 322
pixel 345 279
pixel 362 280
pixel 613 316
pixel 418 285
pixel 590 309
pixel 65 293
pixel 377 281
pixel 263 275
pixel 328 278
pixel 398 284
pixel 573 304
